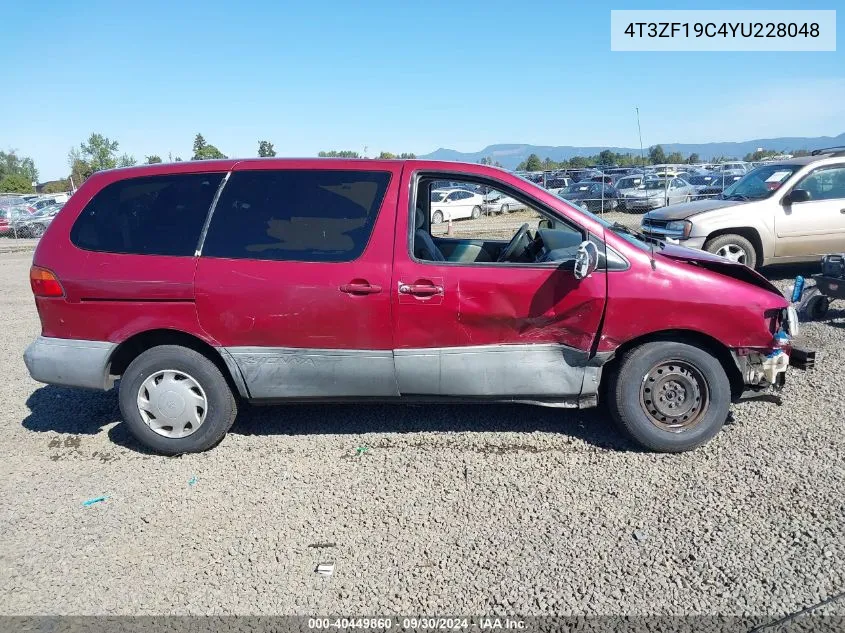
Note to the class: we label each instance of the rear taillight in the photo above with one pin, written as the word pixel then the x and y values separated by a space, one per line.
pixel 44 283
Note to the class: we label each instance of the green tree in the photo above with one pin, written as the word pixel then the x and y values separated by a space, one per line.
pixel 606 157
pixel 56 186
pixel 99 152
pixel 126 160
pixel 199 143
pixel 204 151
pixel 152 160
pixel 694 158
pixel 407 155
pixel 12 164
pixel 266 149
pixel 656 155
pixel 579 161
pixel 79 169
pixel 675 158
pixel 345 153
pixel 387 156
pixel 533 163
pixel 15 183
pixel 549 164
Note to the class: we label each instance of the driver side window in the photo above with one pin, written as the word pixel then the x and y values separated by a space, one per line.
pixel 486 225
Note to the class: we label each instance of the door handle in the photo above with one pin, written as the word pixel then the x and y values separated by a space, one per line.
pixel 420 290
pixel 360 288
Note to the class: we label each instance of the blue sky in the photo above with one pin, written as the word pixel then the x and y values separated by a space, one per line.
pixel 388 75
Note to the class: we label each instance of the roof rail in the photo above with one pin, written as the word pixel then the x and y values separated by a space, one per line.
pixel 828 150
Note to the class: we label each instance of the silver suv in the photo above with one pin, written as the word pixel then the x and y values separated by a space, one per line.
pixel 788 211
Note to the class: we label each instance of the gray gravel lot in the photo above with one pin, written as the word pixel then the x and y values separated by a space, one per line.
pixel 463 509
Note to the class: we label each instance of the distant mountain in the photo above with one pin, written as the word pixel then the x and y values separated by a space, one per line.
pixel 510 155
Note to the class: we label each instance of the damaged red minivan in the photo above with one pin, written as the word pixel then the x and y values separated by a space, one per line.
pixel 202 283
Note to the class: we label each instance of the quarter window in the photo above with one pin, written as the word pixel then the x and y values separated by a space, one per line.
pixel 153 215
pixel 296 215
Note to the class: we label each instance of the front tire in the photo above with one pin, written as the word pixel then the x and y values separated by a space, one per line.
pixel 734 247
pixel 476 213
pixel 505 209
pixel 437 218
pixel 175 400
pixel 669 397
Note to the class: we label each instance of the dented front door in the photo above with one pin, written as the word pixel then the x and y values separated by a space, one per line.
pixel 491 329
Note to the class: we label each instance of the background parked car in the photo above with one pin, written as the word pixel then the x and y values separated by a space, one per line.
pixel 659 192
pixel 497 202
pixel 738 167
pixel 719 183
pixel 556 183
pixel 34 225
pixel 594 196
pixel 700 181
pixel 455 204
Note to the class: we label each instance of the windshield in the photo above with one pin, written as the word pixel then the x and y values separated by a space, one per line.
pixel 760 183
pixel 656 184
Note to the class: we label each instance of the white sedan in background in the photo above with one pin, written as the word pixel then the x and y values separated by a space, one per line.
pixel 455 204
pixel 497 202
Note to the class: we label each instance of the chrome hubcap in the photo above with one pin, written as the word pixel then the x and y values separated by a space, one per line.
pixel 733 252
pixel 675 396
pixel 172 403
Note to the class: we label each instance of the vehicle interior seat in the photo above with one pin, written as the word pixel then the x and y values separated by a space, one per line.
pixel 424 246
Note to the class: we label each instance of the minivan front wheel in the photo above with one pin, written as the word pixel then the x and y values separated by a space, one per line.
pixel 669 396
pixel 734 247
pixel 175 400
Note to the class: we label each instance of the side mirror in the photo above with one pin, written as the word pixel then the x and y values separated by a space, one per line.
pixel 796 195
pixel 544 223
pixel 586 259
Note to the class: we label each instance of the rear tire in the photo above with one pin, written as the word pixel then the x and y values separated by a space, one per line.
pixel 194 374
pixel 437 218
pixel 505 209
pixel 476 213
pixel 669 397
pixel 734 247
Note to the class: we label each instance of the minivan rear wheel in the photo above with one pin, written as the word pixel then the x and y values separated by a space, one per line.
pixel 734 247
pixel 175 400
pixel 669 396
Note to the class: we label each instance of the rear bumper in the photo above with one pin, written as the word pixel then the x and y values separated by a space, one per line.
pixel 70 362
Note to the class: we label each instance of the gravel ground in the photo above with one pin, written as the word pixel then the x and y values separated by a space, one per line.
pixel 423 509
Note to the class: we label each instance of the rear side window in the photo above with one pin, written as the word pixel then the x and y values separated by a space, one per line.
pixel 154 215
pixel 296 215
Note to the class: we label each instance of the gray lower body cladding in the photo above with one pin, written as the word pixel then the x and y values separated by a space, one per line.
pixel 537 370
pixel 70 362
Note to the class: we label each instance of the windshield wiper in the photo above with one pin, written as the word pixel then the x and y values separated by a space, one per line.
pixel 618 226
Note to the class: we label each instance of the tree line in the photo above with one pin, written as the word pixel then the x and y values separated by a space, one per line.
pixel 656 156
pixel 98 152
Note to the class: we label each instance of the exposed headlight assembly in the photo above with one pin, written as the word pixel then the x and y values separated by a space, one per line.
pixel 684 226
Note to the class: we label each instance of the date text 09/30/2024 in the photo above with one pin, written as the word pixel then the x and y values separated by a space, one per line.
pixel 418 623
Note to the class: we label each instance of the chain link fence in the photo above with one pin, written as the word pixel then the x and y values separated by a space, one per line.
pixel 27 216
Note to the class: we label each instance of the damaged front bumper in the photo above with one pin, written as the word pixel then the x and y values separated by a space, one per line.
pixel 764 373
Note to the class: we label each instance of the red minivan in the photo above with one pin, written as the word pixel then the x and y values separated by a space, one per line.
pixel 202 283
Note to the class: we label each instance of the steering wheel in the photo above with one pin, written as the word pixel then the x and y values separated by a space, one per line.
pixel 510 250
